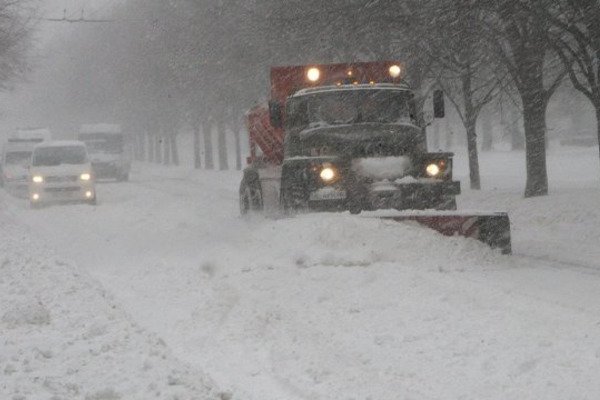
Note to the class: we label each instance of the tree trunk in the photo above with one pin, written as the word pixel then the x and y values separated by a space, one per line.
pixel 238 146
pixel 158 148
pixel 151 145
pixel 534 121
pixel 597 107
pixel 208 147
pixel 167 150
pixel 474 178
pixel 174 150
pixel 470 122
pixel 142 142
pixel 487 139
pixel 197 155
pixel 222 143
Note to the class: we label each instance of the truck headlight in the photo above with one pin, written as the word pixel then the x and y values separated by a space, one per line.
pixel 85 177
pixel 313 74
pixel 37 179
pixel 328 174
pixel 433 169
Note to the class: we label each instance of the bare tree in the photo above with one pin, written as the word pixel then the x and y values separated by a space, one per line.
pixel 16 25
pixel 574 35
pixel 520 44
pixel 467 72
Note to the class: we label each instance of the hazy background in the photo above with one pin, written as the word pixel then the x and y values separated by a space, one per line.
pixel 19 107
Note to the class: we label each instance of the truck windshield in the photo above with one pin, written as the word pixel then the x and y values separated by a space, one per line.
pixel 99 143
pixel 18 158
pixel 350 107
pixel 52 156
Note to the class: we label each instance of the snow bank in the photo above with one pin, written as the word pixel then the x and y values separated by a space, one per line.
pixel 63 337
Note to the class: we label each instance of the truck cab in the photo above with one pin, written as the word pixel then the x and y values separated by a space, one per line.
pixel 343 137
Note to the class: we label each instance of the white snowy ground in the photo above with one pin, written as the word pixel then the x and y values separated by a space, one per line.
pixel 315 307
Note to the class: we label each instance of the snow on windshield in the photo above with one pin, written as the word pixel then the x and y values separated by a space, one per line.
pixel 351 106
pixel 55 155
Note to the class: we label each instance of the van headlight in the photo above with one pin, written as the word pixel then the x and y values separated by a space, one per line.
pixel 37 179
pixel 85 177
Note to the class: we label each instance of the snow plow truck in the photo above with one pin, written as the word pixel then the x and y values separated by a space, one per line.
pixel 349 137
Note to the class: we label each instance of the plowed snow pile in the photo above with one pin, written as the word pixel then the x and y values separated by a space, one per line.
pixel 62 337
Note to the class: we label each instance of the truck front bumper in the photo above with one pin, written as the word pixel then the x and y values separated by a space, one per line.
pixel 386 195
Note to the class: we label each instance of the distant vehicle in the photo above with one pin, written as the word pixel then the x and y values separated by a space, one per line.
pixel 16 157
pixel 107 149
pixel 61 172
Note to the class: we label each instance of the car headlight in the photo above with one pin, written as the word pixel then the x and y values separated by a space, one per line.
pixel 37 179
pixel 433 169
pixel 328 174
pixel 85 177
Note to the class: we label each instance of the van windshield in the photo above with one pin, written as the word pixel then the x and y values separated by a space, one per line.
pixel 52 156
pixel 99 143
pixel 22 158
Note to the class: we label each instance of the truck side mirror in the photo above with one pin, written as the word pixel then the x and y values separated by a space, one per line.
pixel 439 109
pixel 275 114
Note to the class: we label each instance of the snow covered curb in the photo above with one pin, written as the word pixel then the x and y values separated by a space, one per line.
pixel 62 337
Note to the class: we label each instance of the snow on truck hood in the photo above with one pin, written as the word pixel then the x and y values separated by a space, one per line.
pixel 382 167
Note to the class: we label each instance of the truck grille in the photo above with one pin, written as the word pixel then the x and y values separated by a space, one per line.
pixel 62 189
pixel 72 178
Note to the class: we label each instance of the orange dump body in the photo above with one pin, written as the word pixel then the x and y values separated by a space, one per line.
pixel 285 81
pixel 264 136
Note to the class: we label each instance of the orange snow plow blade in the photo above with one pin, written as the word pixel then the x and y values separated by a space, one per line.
pixel 492 229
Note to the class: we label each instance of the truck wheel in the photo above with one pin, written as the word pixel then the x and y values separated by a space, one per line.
pixel 354 209
pixel 250 198
pixel 123 177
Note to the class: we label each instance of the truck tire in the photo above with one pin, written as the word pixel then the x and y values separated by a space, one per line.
pixel 250 197
pixel 123 177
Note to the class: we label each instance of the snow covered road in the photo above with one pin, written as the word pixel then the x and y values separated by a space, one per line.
pixel 336 306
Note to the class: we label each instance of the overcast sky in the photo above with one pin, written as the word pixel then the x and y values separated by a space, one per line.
pixel 13 104
pixel 56 9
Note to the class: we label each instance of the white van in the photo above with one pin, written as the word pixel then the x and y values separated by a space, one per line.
pixel 16 157
pixel 14 165
pixel 61 172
